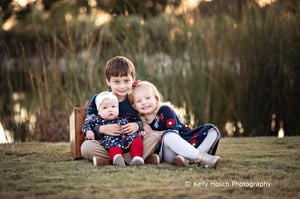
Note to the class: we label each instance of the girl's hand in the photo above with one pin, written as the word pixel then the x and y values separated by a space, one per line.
pixel 143 133
pixel 147 129
pixel 129 128
pixel 90 135
pixel 110 129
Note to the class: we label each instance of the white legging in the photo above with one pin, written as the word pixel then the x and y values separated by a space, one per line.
pixel 173 145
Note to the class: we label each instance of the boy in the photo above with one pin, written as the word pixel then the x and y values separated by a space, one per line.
pixel 120 75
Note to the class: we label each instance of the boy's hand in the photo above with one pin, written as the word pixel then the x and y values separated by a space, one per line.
pixel 90 135
pixel 110 129
pixel 130 128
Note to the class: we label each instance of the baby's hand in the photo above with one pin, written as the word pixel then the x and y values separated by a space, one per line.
pixel 90 135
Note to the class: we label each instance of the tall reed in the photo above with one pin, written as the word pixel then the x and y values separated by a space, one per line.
pixel 218 68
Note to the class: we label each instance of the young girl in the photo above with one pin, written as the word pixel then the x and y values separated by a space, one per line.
pixel 108 111
pixel 178 141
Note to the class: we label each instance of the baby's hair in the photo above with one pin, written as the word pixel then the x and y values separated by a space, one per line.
pixel 145 85
pixel 105 95
pixel 119 66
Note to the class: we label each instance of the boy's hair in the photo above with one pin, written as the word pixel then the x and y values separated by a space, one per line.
pixel 119 66
pixel 153 90
pixel 105 95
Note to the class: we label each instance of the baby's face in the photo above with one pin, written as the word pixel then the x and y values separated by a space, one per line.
pixel 109 109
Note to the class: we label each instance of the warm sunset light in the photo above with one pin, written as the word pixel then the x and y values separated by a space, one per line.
pixel 263 3
pixel 185 3
pixel 281 133
pixel 192 4
pixel 11 22
pixel 21 2
pixel 5 135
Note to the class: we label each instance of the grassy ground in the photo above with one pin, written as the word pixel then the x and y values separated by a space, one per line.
pixel 260 167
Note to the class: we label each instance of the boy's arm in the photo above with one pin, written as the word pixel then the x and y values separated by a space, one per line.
pixel 107 129
pixel 132 127
pixel 92 108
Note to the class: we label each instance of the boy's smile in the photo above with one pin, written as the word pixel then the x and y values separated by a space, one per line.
pixel 120 85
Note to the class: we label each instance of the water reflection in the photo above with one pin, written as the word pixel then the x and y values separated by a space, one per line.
pixel 5 136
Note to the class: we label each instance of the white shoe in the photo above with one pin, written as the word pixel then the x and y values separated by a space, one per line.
pixel 207 160
pixel 136 161
pixel 119 160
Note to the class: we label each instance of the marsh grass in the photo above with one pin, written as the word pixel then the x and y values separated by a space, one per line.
pixel 46 170
pixel 218 64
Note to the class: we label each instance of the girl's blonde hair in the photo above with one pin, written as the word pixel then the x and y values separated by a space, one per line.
pixel 145 85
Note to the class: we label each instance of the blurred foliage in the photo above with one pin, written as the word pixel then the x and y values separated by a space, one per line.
pixel 235 62
pixel 145 8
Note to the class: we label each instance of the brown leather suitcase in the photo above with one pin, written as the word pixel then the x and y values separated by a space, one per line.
pixel 76 121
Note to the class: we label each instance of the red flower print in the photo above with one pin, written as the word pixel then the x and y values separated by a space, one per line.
pixel 194 143
pixel 194 134
pixel 186 126
pixel 170 123
pixel 161 117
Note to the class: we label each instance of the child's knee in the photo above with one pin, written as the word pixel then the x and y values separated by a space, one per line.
pixel 215 131
pixel 152 137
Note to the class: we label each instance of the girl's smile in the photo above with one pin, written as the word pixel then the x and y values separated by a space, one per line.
pixel 144 101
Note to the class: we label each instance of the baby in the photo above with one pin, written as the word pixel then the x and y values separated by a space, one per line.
pixel 116 143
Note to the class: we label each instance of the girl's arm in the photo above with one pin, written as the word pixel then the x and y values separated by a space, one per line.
pixel 148 130
pixel 171 119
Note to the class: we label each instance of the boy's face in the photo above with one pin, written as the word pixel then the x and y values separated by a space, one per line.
pixel 120 86
pixel 144 101
pixel 108 109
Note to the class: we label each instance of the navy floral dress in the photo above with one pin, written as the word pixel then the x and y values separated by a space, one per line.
pixel 123 140
pixel 93 121
pixel 168 121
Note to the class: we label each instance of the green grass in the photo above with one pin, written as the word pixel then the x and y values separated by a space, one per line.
pixel 46 170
